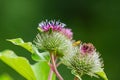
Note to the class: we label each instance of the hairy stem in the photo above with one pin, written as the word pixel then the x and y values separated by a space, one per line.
pixel 53 60
pixel 50 74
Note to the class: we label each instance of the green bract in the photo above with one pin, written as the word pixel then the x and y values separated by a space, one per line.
pixel 81 65
pixel 53 42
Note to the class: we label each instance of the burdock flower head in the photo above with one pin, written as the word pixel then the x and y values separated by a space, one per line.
pixel 85 61
pixel 56 26
pixel 54 37
pixel 87 48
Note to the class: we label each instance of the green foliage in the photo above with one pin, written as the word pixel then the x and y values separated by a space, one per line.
pixel 5 77
pixel 38 71
pixel 41 68
pixel 36 55
pixel 19 64
pixel 27 45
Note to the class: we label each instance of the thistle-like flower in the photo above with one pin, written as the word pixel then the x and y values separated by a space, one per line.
pixel 87 48
pixel 54 25
pixel 85 60
pixel 54 37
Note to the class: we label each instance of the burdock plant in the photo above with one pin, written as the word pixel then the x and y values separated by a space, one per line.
pixel 55 39
pixel 54 45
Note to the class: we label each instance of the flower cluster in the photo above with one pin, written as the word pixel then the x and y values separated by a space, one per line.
pixel 84 61
pixel 56 26
pixel 80 58
pixel 57 41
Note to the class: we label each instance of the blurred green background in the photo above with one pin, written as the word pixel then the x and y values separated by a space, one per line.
pixel 96 21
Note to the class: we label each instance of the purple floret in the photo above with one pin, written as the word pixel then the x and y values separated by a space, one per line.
pixel 54 25
pixel 87 48
pixel 67 32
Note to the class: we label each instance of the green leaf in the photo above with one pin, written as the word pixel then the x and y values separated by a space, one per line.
pixel 19 64
pixel 36 55
pixel 5 77
pixel 102 74
pixel 41 70
pixel 27 45
pixel 41 56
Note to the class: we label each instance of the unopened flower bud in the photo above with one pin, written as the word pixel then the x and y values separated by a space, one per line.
pixel 87 48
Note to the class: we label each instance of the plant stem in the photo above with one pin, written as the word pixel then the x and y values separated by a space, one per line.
pixel 50 74
pixel 58 64
pixel 54 67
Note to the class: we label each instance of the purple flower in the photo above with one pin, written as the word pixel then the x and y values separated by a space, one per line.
pixel 87 48
pixel 54 25
pixel 67 32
